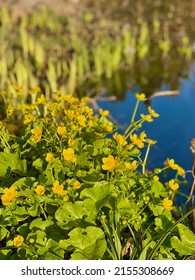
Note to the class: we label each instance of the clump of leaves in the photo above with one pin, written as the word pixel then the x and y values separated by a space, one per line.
pixel 70 192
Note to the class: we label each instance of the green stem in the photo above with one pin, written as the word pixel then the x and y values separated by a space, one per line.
pixel 145 159
pixel 139 122
pixel 43 211
pixel 5 143
pixel 107 175
pixel 165 235
pixel 133 117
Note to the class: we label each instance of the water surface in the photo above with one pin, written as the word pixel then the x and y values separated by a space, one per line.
pixel 173 130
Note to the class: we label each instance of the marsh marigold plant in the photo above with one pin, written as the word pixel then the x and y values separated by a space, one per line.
pixel 72 187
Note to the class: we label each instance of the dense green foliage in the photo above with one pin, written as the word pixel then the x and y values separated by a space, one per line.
pixel 69 192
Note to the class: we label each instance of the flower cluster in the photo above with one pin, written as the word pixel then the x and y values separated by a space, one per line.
pixel 69 176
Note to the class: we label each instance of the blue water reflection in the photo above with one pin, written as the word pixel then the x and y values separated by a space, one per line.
pixel 173 130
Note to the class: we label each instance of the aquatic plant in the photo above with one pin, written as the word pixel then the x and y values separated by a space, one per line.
pixel 58 53
pixel 67 191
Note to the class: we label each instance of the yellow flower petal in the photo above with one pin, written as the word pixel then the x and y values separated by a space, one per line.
pixel 104 113
pixel 152 113
pixel 147 118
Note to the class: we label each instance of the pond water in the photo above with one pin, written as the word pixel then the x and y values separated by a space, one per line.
pixel 173 130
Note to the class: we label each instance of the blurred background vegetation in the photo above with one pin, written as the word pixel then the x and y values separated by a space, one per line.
pixel 88 47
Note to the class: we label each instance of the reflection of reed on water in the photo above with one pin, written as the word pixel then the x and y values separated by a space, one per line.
pixel 165 93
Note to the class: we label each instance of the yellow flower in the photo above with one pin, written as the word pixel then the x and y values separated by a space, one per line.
pixel 18 241
pixel 109 163
pixel 84 100
pixel 28 118
pixel 41 100
pixel 81 120
pixel 152 113
pixel 147 118
pixel 69 155
pixel 31 240
pixel 77 185
pixel 108 128
pixel 49 157
pixel 19 89
pixel 8 196
pixel 61 130
pixel 40 190
pixel 131 166
pixel 37 134
pixel 157 170
pixel 34 90
pixel 142 136
pixel 104 113
pixel 120 139
pixel 70 114
pixel 66 198
pixel 53 109
pixel 171 164
pixel 140 96
pixel 155 178
pixel 58 189
pixel 151 142
pixel 10 110
pixel 167 204
pixel 87 110
pixel 70 142
pixel 136 141
pixel 74 127
pixel 99 134
pixel 72 100
pixel 174 186
pixel 28 107
pixel 90 123
pixel 180 171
